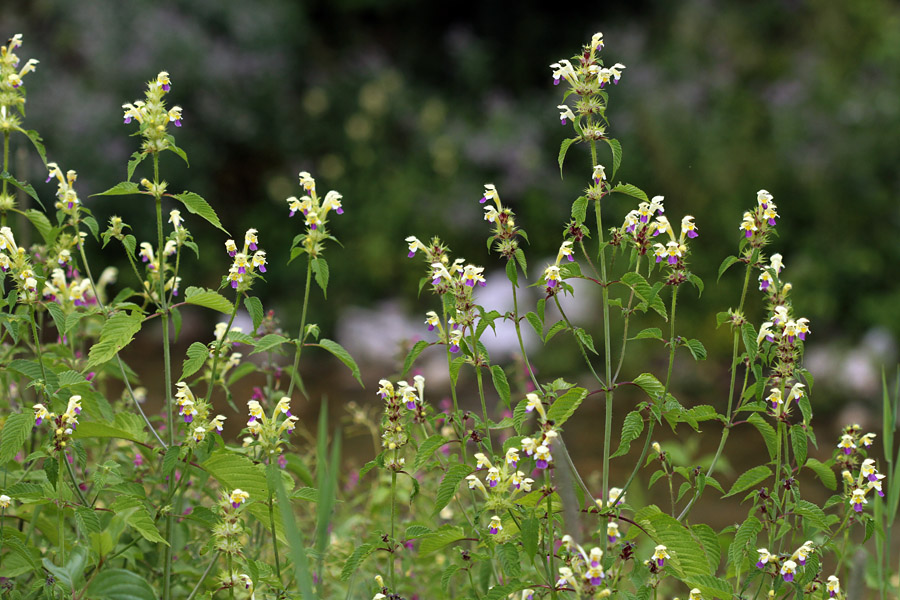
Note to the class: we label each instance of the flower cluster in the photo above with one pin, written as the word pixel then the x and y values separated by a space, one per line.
pixel 12 94
pixel 153 116
pixel 868 478
pixel 586 79
pixel 504 222
pixel 195 412
pixel 582 571
pixel 552 274
pixel 788 565
pixel 14 259
pixel 504 482
pixel 241 273
pixel 315 209
pixel 230 536
pixel 67 197
pixel 268 430
pixel 756 224
pixel 458 279
pixel 63 425
pixel 402 403
pixel 68 294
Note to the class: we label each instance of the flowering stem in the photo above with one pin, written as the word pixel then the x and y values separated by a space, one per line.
pixel 87 269
pixel 295 375
pixel 5 170
pixel 462 426
pixel 212 375
pixel 607 427
pixel 274 538
pixel 78 491
pixel 487 428
pixel 203 577
pixel 231 571
pixel 37 345
pixel 550 540
pixel 393 517
pixel 519 337
pixel 140 279
pixel 60 457
pixel 587 360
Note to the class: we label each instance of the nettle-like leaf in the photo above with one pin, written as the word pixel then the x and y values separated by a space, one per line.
pixel 197 205
pixel 448 486
pixel 120 584
pixel 344 356
pixel 566 405
pixel 15 431
pixel 208 299
pixel 117 332
pixel 749 478
pixel 440 538
pixel 631 430
pixel 237 471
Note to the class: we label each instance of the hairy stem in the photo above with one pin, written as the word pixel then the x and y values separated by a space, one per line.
pixel 295 375
pixel 209 567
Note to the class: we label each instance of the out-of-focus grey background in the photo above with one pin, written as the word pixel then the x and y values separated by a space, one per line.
pixel 408 108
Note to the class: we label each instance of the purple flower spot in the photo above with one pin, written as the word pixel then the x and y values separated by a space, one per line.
pixel 571 258
pixel 127 121
pixel 38 421
pixel 764 285
pixel 660 562
pixel 177 122
pixel 596 580
pixel 658 258
pixel 234 284
pixel 672 260
pixel 801 562
pixel 872 477
pixel 313 226
pixel 540 464
pixel 411 405
pixel 49 177
pixel 252 246
pixel 242 270
pixel 454 348
pixel 431 328
pixel 551 283
pixel 339 210
pixel 857 507
pixel 556 81
pixel 483 200
pixel 563 121
pixel 262 268
pixel 188 418
pixel 772 222
pixel 293 211
pixel 231 253
pixel 492 483
pixel 760 565
pixel 749 234
pixel 235 504
pixel 166 87
pixel 435 281
pixel 691 233
pixel 880 494
pixel 612 539
pixel 411 254
pixel 644 218
pixel 802 336
pixel 789 577
pixel 847 451
pixel 493 530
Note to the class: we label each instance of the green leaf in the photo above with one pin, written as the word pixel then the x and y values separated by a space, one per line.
pixel 585 339
pixel 344 357
pixel 799 444
pixel 654 333
pixel 42 224
pixel 181 153
pixel 269 342
pixel 200 207
pixel 698 350
pixel 120 584
pixel 823 472
pixel 355 561
pixel 127 426
pixel 134 161
pixel 25 187
pixel 697 283
pixel 650 384
pixel 748 333
pixel 687 555
pixel 29 554
pixel 729 260
pixel 616 148
pixel 710 540
pixel 520 255
pixel 197 354
pixel 440 538
pixel 208 299
pixel 748 479
pixel 36 140
pixel 563 148
pixel 138 517
pixel 446 576
pixel 13 435
pixel 255 308
pixel 509 560
pixel 766 431
pixel 117 332
pixel 237 471
pixel 529 528
pixel 565 406
pixel 412 355
pixel 417 531
pixel 536 323
pixel 448 486
pixel 87 520
pixel 297 551
pixel 501 384
pixel 631 430
pixel 124 188
pixel 645 292
pixel 579 209
pixel 455 365
pixel 811 514
pixel 631 190
pixel 426 449
pixel 320 268
pixel 170 460
pixel 511 273
pixel 710 586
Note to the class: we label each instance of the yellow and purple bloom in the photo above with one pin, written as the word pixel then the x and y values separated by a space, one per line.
pixel 565 113
pixel 542 457
pixel 238 497
pixel 788 569
pixel 612 532
pixel 764 558
pixel 847 444
pixel 858 498
pixel 496 526
pixel 660 555
pixel 490 193
pixel 833 585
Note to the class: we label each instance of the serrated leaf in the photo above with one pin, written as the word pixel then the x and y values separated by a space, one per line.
pixel 446 576
pixel 501 384
pixel 13 435
pixel 536 324
pixel 565 406
pixel 687 555
pixel 748 333
pixel 520 255
pixel 360 554
pixel 87 520
pixel 579 209
pixel 586 339
pixel 124 188
pixel 117 332
pixel 208 299
pixel 509 560
pixel 417 531
pixel 181 153
pixel 344 356
pixel 440 538
pixel 36 140
pixel 654 333
pixel 138 517
pixel 28 553
pixel 729 260
pixel 811 513
pixel 616 149
pixel 197 355
pixel 42 224
pixel 529 528
pixel 698 350
pixel 320 268
pixel 133 162
pixel 631 190
pixel 563 149
pixel 237 471
pixel 412 355
pixel 650 384
pixel 25 187
pixel 631 430
pixel 447 488
pixel 120 584
pixel 799 444
pixel 710 540
pixel 455 365
pixel 269 342
pixel 644 291
pixel 255 309
pixel 749 479
pixel 426 449
pixel 512 273
pixel 200 207
pixel 173 453
pixel 127 426
pixel 823 472
pixel 766 431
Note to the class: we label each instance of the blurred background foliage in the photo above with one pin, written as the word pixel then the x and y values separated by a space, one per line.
pixel 408 108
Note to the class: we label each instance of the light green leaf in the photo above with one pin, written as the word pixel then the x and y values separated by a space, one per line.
pixel 744 540
pixel 579 209
pixel 269 342
pixel 343 356
pixel 565 406
pixel 766 431
pixel 509 560
pixel 631 190
pixel 650 384
pixel 563 148
pixel 529 528
pixel 87 520
pixel 117 332
pixel 25 187
pixel 823 472
pixel 631 430
pixel 687 555
pixel 616 148
pixel 13 435
pixel 799 443
pixel 208 299
pixel 197 355
pixel 42 224
pixel 320 268
pixel 448 486
pixel 36 140
pixel 698 350
pixel 124 188
pixel 120 584
pixel 412 355
pixel 200 207
pixel 138 517
pixel 127 426
pixel 501 384
pixel 729 260
pixel 748 479
pixel 654 333
pixel 237 471
pixel 710 540
pixel 426 449
pixel 255 308
pixel 360 554
pixel 134 161
pixel 440 538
